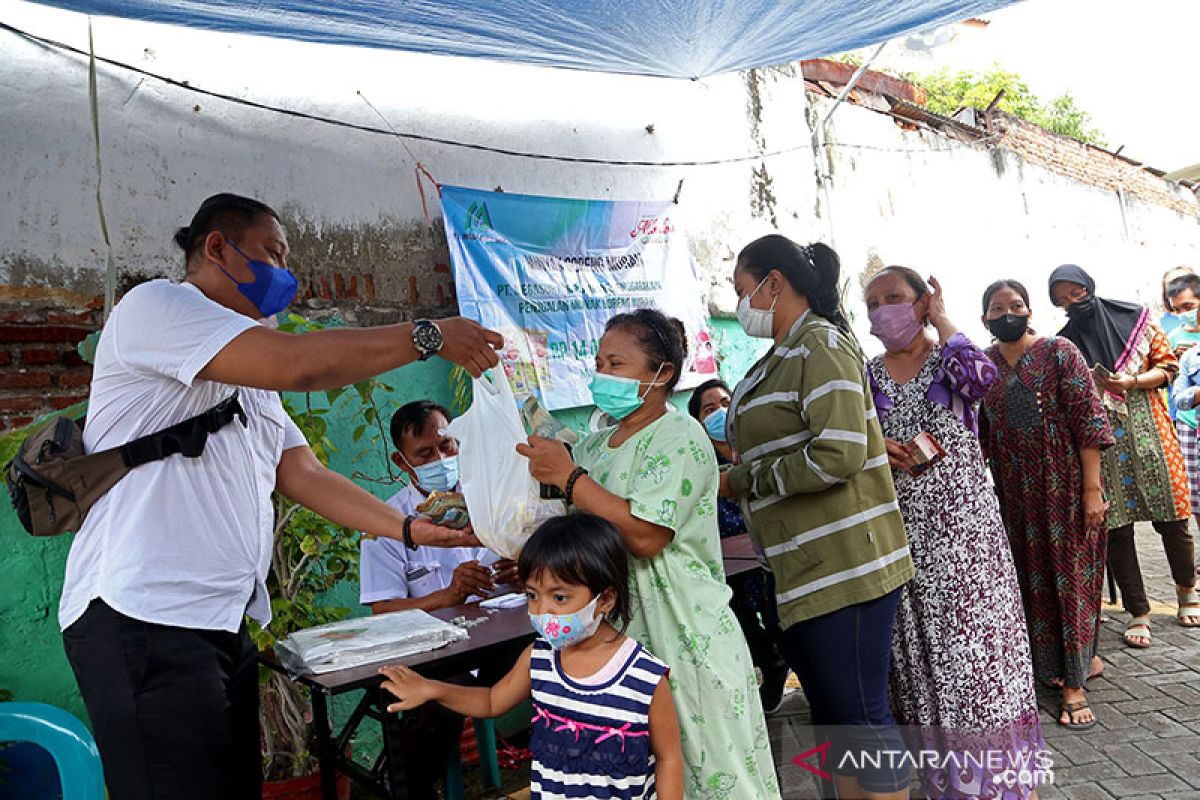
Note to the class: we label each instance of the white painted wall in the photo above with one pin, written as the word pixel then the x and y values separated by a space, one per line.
pixel 912 198
pixel 165 149
pixel 945 208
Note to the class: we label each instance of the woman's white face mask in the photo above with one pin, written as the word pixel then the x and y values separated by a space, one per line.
pixel 756 322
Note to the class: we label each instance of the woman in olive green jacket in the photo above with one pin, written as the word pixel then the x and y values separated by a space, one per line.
pixel 814 480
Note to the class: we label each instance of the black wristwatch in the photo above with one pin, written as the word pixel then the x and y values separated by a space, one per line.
pixel 427 338
pixel 408 542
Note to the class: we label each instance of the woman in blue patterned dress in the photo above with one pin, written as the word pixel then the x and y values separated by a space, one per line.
pixel 753 600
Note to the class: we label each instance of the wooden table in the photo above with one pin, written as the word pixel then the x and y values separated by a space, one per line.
pixel 505 631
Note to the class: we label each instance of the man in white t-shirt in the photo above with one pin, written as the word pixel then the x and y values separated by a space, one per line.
pixel 393 576
pixel 167 565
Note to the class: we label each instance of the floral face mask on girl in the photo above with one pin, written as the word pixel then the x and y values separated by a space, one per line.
pixel 564 630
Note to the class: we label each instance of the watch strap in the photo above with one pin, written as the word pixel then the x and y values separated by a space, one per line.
pixel 408 540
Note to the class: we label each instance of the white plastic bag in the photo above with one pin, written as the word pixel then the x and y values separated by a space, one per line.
pixel 503 499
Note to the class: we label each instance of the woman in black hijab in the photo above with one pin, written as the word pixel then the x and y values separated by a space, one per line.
pixel 1145 478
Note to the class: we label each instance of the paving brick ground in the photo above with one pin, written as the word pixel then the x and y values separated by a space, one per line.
pixel 1147 703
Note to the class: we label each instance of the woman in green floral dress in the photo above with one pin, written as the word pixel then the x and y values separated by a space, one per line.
pixel 655 477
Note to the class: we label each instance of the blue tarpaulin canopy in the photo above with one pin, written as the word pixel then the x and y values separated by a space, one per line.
pixel 669 38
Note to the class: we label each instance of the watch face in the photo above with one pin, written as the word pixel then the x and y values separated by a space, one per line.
pixel 427 337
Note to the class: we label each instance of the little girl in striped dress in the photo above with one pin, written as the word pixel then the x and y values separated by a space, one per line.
pixel 604 726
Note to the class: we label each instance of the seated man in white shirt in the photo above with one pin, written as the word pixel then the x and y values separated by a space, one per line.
pixel 395 576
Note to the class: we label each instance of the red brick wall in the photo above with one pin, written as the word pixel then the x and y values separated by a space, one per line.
pixel 1090 165
pixel 40 370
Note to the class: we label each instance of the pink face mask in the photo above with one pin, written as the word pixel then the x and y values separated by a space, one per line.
pixel 895 325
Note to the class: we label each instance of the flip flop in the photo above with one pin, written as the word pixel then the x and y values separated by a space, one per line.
pixel 1141 630
pixel 1189 609
pixel 1071 709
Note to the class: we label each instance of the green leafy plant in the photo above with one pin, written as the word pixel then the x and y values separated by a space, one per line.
pixel 460 385
pixel 950 91
pixel 310 556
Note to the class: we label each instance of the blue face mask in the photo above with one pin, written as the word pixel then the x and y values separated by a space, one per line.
pixel 438 476
pixel 1187 318
pixel 714 423
pixel 619 397
pixel 272 289
pixel 564 630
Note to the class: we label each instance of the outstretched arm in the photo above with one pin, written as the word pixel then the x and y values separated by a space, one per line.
pixel 301 478
pixel 286 362
pixel 411 690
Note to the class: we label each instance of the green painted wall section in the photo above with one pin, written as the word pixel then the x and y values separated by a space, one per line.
pixel 32 662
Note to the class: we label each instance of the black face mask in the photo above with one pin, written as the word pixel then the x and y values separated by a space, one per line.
pixel 1008 328
pixel 1082 309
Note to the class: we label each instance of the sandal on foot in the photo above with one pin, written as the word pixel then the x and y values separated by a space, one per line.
pixel 1189 610
pixel 1071 709
pixel 1057 683
pixel 1137 630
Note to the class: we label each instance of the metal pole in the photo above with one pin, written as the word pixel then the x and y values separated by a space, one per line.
pixel 824 160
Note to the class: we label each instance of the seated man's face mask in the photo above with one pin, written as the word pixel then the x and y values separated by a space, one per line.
pixel 436 476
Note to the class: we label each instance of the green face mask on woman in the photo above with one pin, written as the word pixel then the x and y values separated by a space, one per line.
pixel 619 397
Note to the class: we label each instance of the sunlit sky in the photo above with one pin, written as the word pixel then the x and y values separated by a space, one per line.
pixel 1131 65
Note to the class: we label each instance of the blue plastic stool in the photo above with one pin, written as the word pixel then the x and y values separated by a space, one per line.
pixel 66 739
pixel 489 765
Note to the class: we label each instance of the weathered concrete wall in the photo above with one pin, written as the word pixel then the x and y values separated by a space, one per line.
pixel 971 214
pixel 348 197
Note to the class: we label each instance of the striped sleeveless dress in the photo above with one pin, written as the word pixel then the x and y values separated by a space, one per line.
pixel 592 740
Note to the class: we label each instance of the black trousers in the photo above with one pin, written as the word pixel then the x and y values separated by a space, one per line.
pixel 174 710
pixel 1123 562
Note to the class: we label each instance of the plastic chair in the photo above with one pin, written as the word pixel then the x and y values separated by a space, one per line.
pixel 489 766
pixel 66 739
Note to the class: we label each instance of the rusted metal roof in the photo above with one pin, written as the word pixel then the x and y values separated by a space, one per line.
pixel 838 73
pixel 911 111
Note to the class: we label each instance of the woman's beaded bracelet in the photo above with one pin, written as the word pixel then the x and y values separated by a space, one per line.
pixel 569 489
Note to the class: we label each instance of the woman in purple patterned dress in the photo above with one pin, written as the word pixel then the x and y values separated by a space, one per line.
pixel 961 673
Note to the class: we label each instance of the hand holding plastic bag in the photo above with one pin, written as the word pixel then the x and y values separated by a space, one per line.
pixel 502 497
